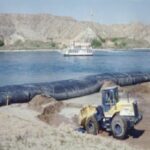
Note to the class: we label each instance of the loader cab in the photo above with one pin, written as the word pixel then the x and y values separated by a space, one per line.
pixel 109 98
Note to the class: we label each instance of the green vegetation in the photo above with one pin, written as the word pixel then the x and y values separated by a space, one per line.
pixel 114 39
pixel 102 39
pixel 53 45
pixel 115 42
pixel 96 43
pixel 119 42
pixel 1 43
pixel 28 44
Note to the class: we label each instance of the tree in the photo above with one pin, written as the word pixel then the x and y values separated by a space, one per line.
pixel 1 43
pixel 96 43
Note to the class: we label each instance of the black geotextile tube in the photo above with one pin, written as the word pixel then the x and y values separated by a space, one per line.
pixel 66 89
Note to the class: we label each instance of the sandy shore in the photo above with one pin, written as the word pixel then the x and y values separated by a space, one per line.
pixel 21 130
pixel 32 50
pixel 23 127
pixel 60 50
pixel 121 49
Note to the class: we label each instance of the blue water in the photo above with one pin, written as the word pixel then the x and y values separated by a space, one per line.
pixel 32 67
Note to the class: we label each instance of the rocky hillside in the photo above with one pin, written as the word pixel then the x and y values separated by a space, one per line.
pixel 47 31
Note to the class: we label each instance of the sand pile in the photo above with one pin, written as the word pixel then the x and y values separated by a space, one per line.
pixel 39 102
pixel 51 114
pixel 143 88
pixel 50 110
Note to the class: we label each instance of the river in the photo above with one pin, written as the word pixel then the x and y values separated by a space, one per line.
pixel 33 67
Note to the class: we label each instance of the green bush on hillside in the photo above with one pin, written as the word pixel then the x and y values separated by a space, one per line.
pixel 96 43
pixel 1 43
pixel 53 45
pixel 119 42
pixel 123 44
pixel 114 39
pixel 102 39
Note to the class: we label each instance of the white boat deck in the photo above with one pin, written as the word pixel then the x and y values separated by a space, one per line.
pixel 79 49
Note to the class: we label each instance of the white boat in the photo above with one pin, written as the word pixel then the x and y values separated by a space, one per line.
pixel 78 49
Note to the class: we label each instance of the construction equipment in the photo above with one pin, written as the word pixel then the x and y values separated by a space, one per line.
pixel 115 115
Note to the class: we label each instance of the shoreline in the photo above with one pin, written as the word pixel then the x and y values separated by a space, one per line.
pixel 59 50
pixel 32 50
pixel 121 50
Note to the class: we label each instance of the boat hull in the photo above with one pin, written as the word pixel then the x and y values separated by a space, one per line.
pixel 78 54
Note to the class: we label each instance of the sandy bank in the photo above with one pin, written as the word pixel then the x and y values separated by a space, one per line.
pixel 32 50
pixel 22 128
pixel 61 50
pixel 19 130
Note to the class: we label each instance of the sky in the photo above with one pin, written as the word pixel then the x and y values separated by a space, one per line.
pixel 101 11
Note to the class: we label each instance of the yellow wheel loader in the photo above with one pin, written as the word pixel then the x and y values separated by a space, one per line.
pixel 114 115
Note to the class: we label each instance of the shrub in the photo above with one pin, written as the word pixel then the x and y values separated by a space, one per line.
pixel 119 42
pixel 1 43
pixel 114 39
pixel 96 43
pixel 102 39
pixel 53 45
pixel 123 44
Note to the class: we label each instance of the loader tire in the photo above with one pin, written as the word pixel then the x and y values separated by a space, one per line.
pixel 92 125
pixel 119 127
